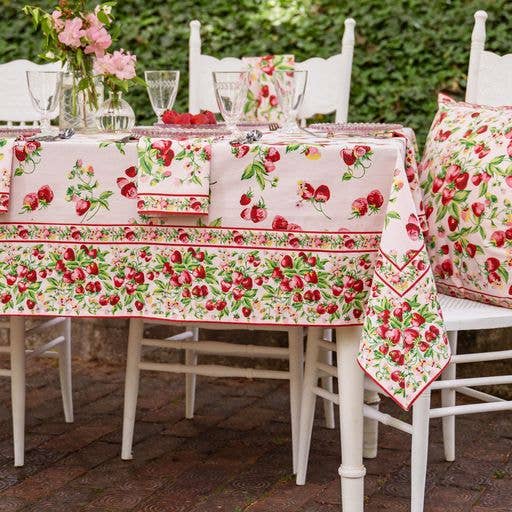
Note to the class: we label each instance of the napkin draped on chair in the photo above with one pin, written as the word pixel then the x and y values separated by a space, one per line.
pixel 262 104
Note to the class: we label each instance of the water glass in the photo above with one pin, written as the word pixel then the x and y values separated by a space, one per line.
pixel 162 89
pixel 290 88
pixel 44 88
pixel 231 94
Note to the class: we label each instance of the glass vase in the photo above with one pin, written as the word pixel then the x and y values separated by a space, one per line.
pixel 115 114
pixel 74 110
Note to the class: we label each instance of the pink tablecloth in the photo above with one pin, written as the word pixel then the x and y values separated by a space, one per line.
pixel 322 232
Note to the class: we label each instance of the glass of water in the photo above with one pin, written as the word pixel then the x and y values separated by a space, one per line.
pixel 162 89
pixel 44 88
pixel 290 87
pixel 231 94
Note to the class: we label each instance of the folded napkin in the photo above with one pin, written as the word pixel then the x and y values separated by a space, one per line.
pixel 262 104
pixel 174 176
pixel 6 156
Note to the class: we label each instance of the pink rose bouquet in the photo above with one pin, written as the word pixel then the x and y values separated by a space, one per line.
pixel 80 38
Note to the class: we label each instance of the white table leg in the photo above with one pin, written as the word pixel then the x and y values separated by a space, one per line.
pixel 131 385
pixel 17 341
pixel 351 389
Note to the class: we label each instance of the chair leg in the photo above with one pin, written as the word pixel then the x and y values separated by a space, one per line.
pixel 190 378
pixel 307 410
pixel 371 427
pixel 65 372
pixel 419 450
pixel 327 382
pixel 448 398
pixel 17 341
pixel 296 351
pixel 131 385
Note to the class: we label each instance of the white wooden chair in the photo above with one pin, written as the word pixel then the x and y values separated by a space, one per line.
pixel 188 341
pixel 327 90
pixel 16 108
pixel 59 347
pixel 487 84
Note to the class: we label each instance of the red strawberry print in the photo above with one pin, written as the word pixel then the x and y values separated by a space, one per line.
pixel 447 196
pixel 246 198
pixel 306 190
pixel 129 190
pixel 30 202
pixel 279 223
pixel 413 230
pixel 492 264
pixel 246 214
pixel 264 91
pixel 498 238
pixel 273 101
pixel 348 156
pixel 199 119
pixel 20 154
pixel 461 181
pixel 241 151
pixel 258 213
pixel 273 155
pixel 45 194
pixel 375 199
pixel 452 223
pixel 478 208
pixel 164 151
pixel 82 206
pixel 322 194
pixel 437 184
pixel 131 172
pixel 360 206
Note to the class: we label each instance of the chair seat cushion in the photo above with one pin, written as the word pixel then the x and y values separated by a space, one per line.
pixel 466 177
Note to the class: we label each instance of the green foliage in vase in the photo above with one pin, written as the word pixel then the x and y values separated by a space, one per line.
pixel 406 50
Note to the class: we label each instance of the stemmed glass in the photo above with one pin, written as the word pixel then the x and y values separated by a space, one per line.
pixel 162 89
pixel 290 88
pixel 231 93
pixel 44 88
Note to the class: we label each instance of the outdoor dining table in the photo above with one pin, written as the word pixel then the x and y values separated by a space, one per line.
pixel 295 230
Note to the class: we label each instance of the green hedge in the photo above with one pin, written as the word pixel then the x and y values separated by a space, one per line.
pixel 405 51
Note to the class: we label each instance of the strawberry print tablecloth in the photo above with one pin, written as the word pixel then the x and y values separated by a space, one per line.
pixel 305 231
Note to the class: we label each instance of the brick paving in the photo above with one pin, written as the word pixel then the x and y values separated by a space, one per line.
pixel 233 457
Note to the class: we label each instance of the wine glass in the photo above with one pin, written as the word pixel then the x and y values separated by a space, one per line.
pixel 231 94
pixel 290 88
pixel 44 88
pixel 162 89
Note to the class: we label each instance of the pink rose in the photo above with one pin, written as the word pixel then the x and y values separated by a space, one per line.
pixel 72 33
pixel 57 22
pixel 99 40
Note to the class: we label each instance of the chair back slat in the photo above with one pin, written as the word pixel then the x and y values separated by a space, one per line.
pixel 489 74
pixel 15 104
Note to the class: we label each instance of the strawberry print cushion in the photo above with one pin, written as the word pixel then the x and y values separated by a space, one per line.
pixel 466 177
pixel 262 104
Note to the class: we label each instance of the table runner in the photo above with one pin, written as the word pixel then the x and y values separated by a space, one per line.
pixel 321 232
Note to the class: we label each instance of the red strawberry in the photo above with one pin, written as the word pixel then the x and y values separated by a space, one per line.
pixel 413 230
pixel 31 201
pixel 332 308
pixel 498 238
pixel 264 91
pixel 200 272
pixel 279 223
pixel 360 206
pixel 478 209
pixel 273 101
pixel 322 194
pixel 131 172
pixel 45 193
pixel 5 298
pixel 306 191
pixel 447 267
pixel 129 190
pixel 176 257
pixel 20 153
pixel 461 181
pixel 242 151
pixel 471 250
pixel 273 155
pixel 492 264
pixel 287 261
pixel 246 312
pixel 246 214
pixel 447 196
pixel 508 181
pixel 452 172
pixel 437 184
pixel 247 283
pixel 452 223
pixel 258 214
pixel 245 199
pixel 199 119
pixel 30 304
pixel 375 199
pixel 348 156
pixel 210 116
pixel 69 254
pixel 170 117
pixel 311 277
pixel 82 206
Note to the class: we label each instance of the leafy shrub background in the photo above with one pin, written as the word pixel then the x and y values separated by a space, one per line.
pixel 406 50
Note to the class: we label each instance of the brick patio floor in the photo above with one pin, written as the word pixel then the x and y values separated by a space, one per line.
pixel 234 456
